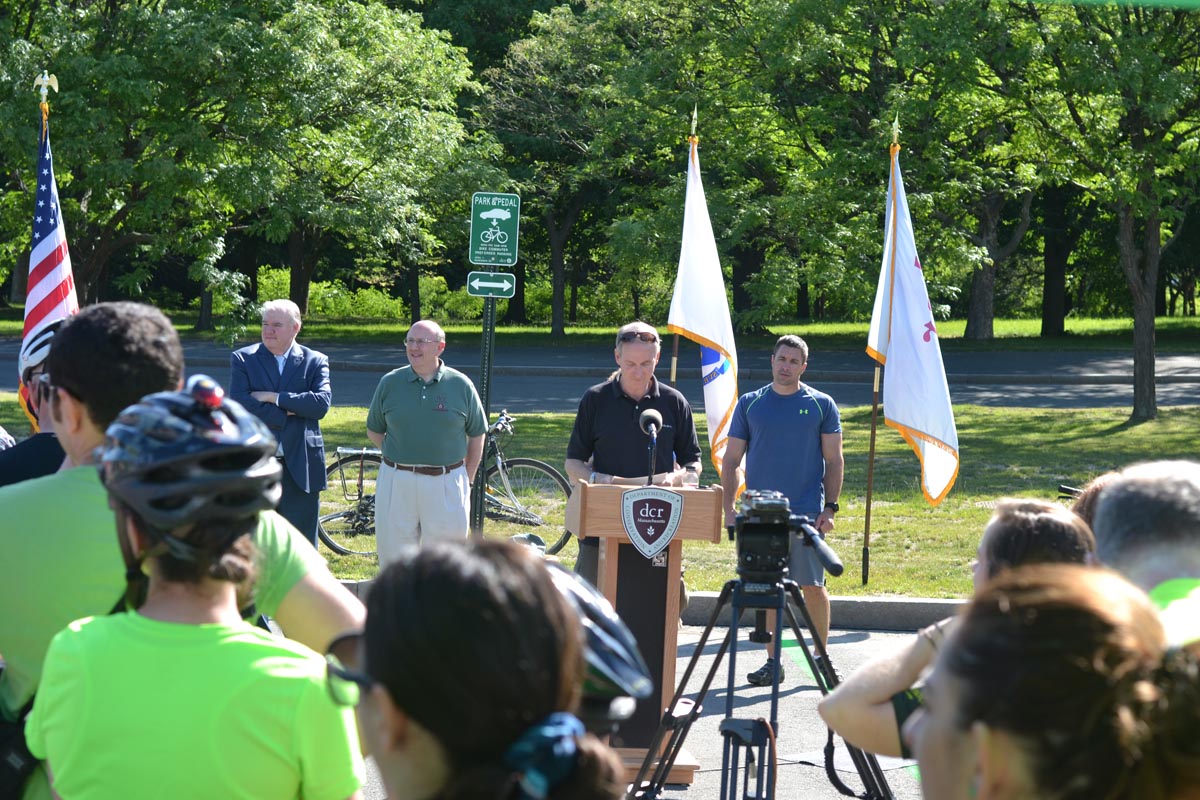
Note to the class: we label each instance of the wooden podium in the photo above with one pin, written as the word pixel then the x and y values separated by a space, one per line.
pixel 645 593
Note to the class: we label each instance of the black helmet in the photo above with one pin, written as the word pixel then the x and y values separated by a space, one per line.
pixel 616 671
pixel 178 458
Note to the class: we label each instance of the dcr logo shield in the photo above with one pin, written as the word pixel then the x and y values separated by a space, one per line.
pixel 651 516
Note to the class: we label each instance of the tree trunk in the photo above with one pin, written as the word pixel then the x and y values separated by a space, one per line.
pixel 413 279
pixel 803 309
pixel 205 321
pixel 559 232
pixel 981 307
pixel 558 238
pixel 304 250
pixel 747 262
pixel 20 278
pixel 515 312
pixel 1057 244
pixel 1140 265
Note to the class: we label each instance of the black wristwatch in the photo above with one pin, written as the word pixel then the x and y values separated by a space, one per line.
pixel 833 506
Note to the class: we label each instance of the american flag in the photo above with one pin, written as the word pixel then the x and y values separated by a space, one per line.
pixel 50 295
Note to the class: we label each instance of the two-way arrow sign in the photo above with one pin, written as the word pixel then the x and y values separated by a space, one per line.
pixel 491 284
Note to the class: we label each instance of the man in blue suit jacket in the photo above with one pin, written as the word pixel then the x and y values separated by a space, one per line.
pixel 286 385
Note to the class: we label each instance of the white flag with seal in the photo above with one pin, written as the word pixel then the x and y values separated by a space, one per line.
pixel 700 310
pixel 903 337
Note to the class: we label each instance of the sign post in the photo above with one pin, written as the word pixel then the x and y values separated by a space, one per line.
pixel 495 229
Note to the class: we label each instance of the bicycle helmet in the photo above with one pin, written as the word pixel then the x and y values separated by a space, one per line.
pixel 616 672
pixel 179 458
pixel 36 347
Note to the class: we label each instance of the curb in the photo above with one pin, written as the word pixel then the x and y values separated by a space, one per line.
pixel 848 613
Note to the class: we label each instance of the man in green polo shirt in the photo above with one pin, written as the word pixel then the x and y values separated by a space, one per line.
pixel 1147 526
pixel 428 421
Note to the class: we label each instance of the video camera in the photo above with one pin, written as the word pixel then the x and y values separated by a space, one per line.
pixel 763 534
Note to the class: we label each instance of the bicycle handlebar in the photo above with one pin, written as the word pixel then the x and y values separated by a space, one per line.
pixel 503 423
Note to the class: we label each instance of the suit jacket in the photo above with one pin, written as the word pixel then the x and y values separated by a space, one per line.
pixel 303 389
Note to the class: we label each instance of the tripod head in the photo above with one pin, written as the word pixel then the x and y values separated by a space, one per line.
pixel 764 530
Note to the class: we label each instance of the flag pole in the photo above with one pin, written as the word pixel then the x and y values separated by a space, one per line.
pixel 692 140
pixel 866 551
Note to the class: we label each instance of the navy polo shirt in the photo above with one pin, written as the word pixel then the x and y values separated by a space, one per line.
pixel 607 430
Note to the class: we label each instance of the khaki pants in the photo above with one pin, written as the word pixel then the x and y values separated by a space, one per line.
pixel 411 509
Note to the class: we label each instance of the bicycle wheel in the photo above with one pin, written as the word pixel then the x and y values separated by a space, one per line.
pixel 527 495
pixel 347 522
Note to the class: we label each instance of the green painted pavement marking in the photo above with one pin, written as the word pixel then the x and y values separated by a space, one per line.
pixel 790 644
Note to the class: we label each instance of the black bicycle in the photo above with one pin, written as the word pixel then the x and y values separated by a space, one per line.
pixel 523 495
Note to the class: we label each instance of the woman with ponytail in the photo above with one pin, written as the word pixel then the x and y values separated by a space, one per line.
pixel 1058 684
pixel 471 675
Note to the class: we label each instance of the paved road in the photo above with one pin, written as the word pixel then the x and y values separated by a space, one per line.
pixel 552 379
pixel 801 737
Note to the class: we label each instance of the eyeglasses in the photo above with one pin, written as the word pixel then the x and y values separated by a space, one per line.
pixel 420 342
pixel 346 686
pixel 641 336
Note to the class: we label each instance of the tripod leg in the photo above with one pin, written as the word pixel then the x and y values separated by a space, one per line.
pixel 865 764
pixel 681 714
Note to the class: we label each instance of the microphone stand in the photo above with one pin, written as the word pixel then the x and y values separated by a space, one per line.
pixel 652 453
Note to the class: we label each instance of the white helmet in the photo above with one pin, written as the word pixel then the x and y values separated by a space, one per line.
pixel 36 347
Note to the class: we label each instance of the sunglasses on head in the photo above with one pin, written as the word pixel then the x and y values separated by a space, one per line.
pixel 641 336
pixel 43 385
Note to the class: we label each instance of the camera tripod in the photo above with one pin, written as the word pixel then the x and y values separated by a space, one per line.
pixel 752 739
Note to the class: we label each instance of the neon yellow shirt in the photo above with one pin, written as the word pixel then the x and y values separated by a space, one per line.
pixel 62 562
pixel 131 707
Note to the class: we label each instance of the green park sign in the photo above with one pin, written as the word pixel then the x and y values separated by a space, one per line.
pixel 492 284
pixel 494 229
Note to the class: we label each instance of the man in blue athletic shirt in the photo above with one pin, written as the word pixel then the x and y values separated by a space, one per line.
pixel 791 437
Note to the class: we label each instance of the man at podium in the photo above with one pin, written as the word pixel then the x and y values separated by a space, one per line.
pixel 607 443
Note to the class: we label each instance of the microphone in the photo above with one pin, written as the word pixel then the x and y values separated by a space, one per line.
pixel 650 421
pixel 829 559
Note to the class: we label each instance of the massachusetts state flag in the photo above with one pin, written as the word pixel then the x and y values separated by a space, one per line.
pixel 700 310
pixel 903 337
pixel 50 295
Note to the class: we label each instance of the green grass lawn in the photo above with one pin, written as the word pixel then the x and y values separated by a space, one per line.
pixel 1172 334
pixel 916 550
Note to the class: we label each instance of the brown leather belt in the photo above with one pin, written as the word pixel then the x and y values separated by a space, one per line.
pixel 423 470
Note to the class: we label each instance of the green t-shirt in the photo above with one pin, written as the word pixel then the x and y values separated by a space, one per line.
pixel 1178 602
pixel 62 562
pixel 426 423
pixel 132 707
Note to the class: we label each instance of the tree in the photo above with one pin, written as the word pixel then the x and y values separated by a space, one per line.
pixel 1122 109
pixel 542 105
pixel 180 122
pixel 361 123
